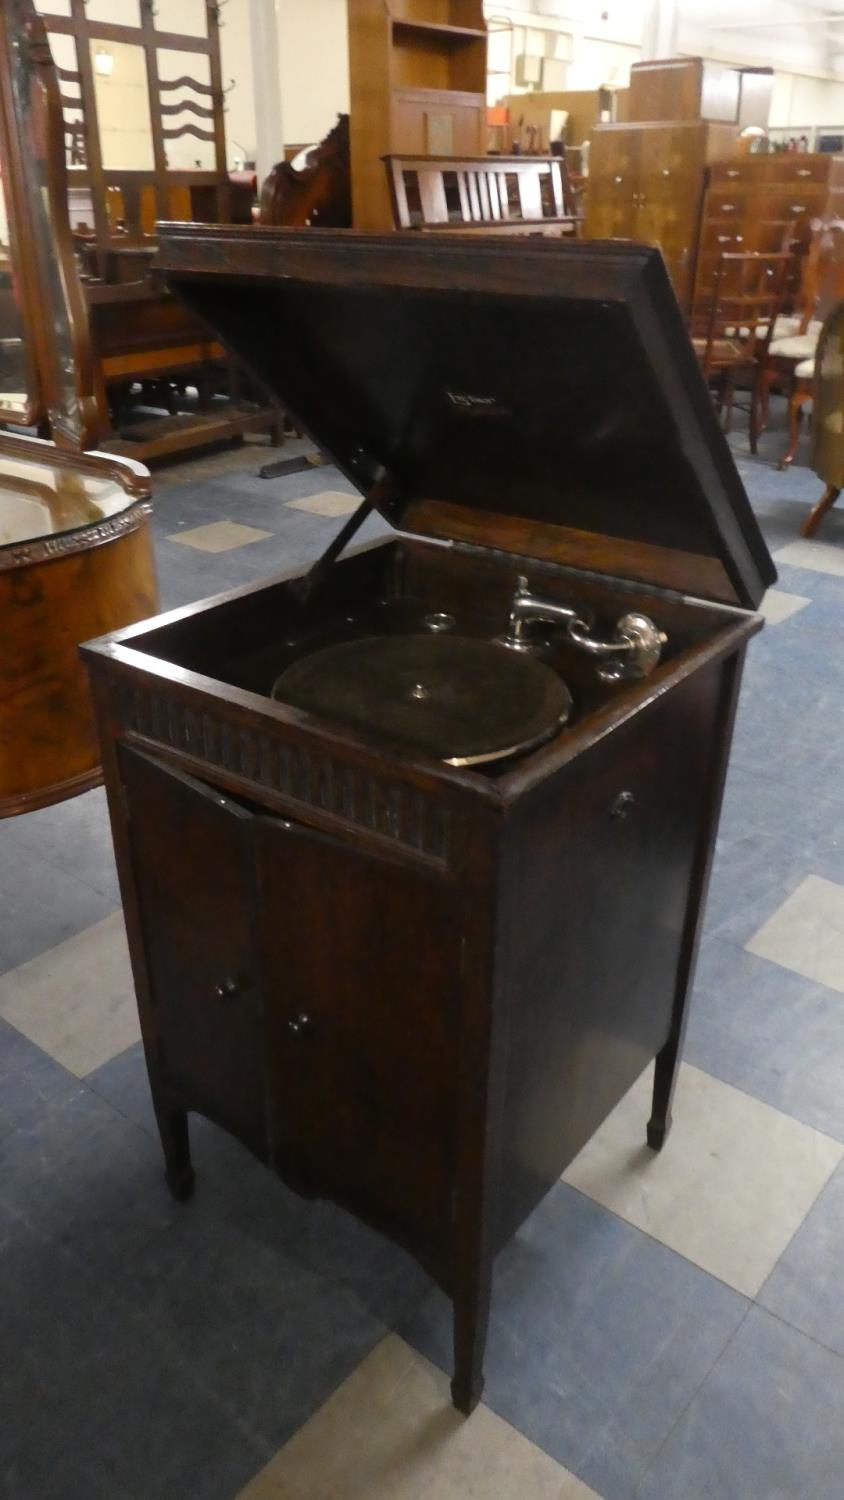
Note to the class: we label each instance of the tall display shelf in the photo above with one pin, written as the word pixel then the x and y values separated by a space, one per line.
pixel 417 76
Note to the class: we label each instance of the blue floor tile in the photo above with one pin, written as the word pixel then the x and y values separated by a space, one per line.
pixel 86 1180
pixel 805 1287
pixel 98 1402
pixel 769 1032
pixel 123 1082
pixel 75 836
pixel 28 1080
pixel 599 1337
pixel 789 719
pixel 41 905
pixel 230 1311
pixel 265 1335
pixel 771 836
pixel 767 1424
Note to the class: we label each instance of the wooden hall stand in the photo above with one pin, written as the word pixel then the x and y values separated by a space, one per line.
pixel 75 532
pixel 128 148
pixel 438 1085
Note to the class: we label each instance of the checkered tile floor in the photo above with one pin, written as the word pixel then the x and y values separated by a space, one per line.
pixel 664 1328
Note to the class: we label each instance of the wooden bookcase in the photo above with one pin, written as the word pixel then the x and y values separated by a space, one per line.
pixel 417 75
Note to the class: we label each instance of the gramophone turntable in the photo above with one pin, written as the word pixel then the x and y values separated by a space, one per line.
pixel 414 848
pixel 462 699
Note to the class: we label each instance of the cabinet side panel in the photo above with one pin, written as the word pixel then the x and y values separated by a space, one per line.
pixel 599 891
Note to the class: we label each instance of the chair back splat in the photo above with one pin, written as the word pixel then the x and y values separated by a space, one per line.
pixel 732 334
pixel 484 194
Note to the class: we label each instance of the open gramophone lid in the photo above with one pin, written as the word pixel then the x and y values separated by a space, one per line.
pixel 461 700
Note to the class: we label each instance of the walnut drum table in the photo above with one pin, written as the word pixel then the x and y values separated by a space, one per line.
pixel 75 559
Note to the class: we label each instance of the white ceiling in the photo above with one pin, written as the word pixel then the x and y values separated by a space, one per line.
pixel 804 35
pixel 781 18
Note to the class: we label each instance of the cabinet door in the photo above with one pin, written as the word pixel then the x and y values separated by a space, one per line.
pixel 613 186
pixel 362 969
pixel 192 860
pixel 671 187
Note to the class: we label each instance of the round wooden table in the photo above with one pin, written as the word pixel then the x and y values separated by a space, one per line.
pixel 76 561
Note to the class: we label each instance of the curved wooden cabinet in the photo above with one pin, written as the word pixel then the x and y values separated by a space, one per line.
pixel 76 561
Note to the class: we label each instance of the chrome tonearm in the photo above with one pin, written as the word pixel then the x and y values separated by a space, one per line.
pixel 633 650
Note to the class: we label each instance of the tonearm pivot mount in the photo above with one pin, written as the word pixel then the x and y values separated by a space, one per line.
pixel 633 650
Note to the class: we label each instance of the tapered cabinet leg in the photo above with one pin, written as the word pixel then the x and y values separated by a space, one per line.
pixel 175 1140
pixel 471 1320
pixel 665 1078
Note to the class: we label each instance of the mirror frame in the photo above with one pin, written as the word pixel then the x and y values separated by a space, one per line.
pixel 22 264
pixel 32 127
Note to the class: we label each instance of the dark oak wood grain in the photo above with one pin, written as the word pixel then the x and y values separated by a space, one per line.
pixel 415 988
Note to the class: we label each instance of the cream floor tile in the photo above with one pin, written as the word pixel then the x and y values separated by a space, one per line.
pixel 76 1001
pixel 821 557
pixel 806 933
pixel 219 536
pixel 326 503
pixel 778 605
pixel 733 1182
pixel 390 1433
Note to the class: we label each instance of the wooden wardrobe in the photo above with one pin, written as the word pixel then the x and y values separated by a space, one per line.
pixel 646 183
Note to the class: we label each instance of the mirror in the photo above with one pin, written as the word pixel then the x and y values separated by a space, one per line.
pixel 121 91
pixel 16 376
pixel 120 12
pixel 185 17
pixel 186 110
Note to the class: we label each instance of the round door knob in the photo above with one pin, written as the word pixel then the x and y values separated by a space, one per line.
pixel 623 805
pixel 226 990
pixel 300 1025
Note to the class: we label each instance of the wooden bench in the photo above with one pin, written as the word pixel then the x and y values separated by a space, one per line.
pixel 482 194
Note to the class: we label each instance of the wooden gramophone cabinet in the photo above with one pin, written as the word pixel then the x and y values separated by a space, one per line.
pixel 413 987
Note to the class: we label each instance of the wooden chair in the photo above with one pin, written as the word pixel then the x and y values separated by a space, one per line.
pixel 789 360
pixel 827 390
pixel 482 195
pixel 731 336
